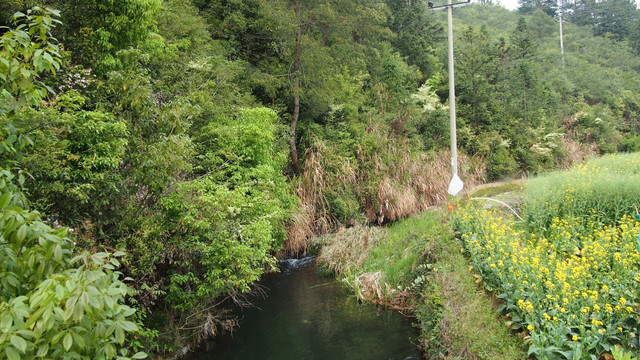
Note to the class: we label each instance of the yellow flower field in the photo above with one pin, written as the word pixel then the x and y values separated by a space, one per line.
pixel 574 290
pixel 569 273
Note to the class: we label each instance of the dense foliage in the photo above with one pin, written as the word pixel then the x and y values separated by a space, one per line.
pixel 57 301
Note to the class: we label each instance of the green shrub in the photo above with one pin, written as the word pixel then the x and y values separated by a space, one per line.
pixel 630 143
pixel 500 163
pixel 218 231
pixel 74 163
pixel 54 301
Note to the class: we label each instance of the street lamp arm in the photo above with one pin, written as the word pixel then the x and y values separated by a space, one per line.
pixel 431 7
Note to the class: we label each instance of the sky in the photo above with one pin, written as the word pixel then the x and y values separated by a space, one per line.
pixel 509 4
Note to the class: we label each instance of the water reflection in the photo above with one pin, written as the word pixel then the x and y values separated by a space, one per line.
pixel 307 316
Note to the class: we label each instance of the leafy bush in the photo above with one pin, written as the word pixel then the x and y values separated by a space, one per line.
pixel 500 163
pixel 630 144
pixel 217 232
pixel 53 303
pixel 25 53
pixel 74 163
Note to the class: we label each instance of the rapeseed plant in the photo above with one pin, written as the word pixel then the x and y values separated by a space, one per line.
pixel 573 288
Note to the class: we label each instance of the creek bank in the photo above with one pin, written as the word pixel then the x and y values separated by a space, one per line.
pixel 416 266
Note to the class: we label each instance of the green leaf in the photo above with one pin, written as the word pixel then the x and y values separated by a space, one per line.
pixel 57 253
pixel 5 199
pixel 6 323
pixel 43 350
pixel 119 335
pixel 78 339
pixel 128 326
pixel 22 232
pixel 19 343
pixel 67 341
pixel 11 353
pixel 140 355
pixel 110 351
pixel 128 311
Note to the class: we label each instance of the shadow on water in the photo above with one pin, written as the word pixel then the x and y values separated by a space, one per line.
pixel 308 316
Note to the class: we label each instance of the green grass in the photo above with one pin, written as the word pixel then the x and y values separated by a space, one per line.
pixel 450 302
pixel 491 191
pixel 404 243
pixel 601 190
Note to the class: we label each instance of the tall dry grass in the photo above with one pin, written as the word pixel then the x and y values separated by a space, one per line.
pixel 389 183
pixel 345 251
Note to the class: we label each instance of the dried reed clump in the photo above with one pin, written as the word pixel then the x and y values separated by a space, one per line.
pixel 389 183
pixel 373 289
pixel 418 183
pixel 370 286
pixel 314 215
pixel 346 250
pixel 300 231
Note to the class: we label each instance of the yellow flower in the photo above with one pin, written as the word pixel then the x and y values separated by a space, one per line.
pixel 575 338
pixel 530 327
pixel 622 301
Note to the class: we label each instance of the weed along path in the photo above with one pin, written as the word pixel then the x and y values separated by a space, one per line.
pixel 308 316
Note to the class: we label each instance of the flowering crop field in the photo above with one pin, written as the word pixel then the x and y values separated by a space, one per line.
pixel 602 190
pixel 573 287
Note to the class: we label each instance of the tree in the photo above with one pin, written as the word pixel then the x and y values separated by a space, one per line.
pixel 417 30
pixel 95 30
pixel 614 17
pixel 476 70
pixel 550 7
pixel 54 302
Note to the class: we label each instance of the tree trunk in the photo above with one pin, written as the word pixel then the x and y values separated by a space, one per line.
pixel 293 150
pixel 325 33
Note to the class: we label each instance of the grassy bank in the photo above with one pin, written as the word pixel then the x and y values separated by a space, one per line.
pixel 416 266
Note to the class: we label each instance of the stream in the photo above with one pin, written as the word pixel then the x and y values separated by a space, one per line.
pixel 308 316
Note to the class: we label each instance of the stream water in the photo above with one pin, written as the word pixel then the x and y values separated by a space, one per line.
pixel 308 316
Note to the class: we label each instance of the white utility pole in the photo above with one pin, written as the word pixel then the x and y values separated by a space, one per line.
pixel 561 35
pixel 456 184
